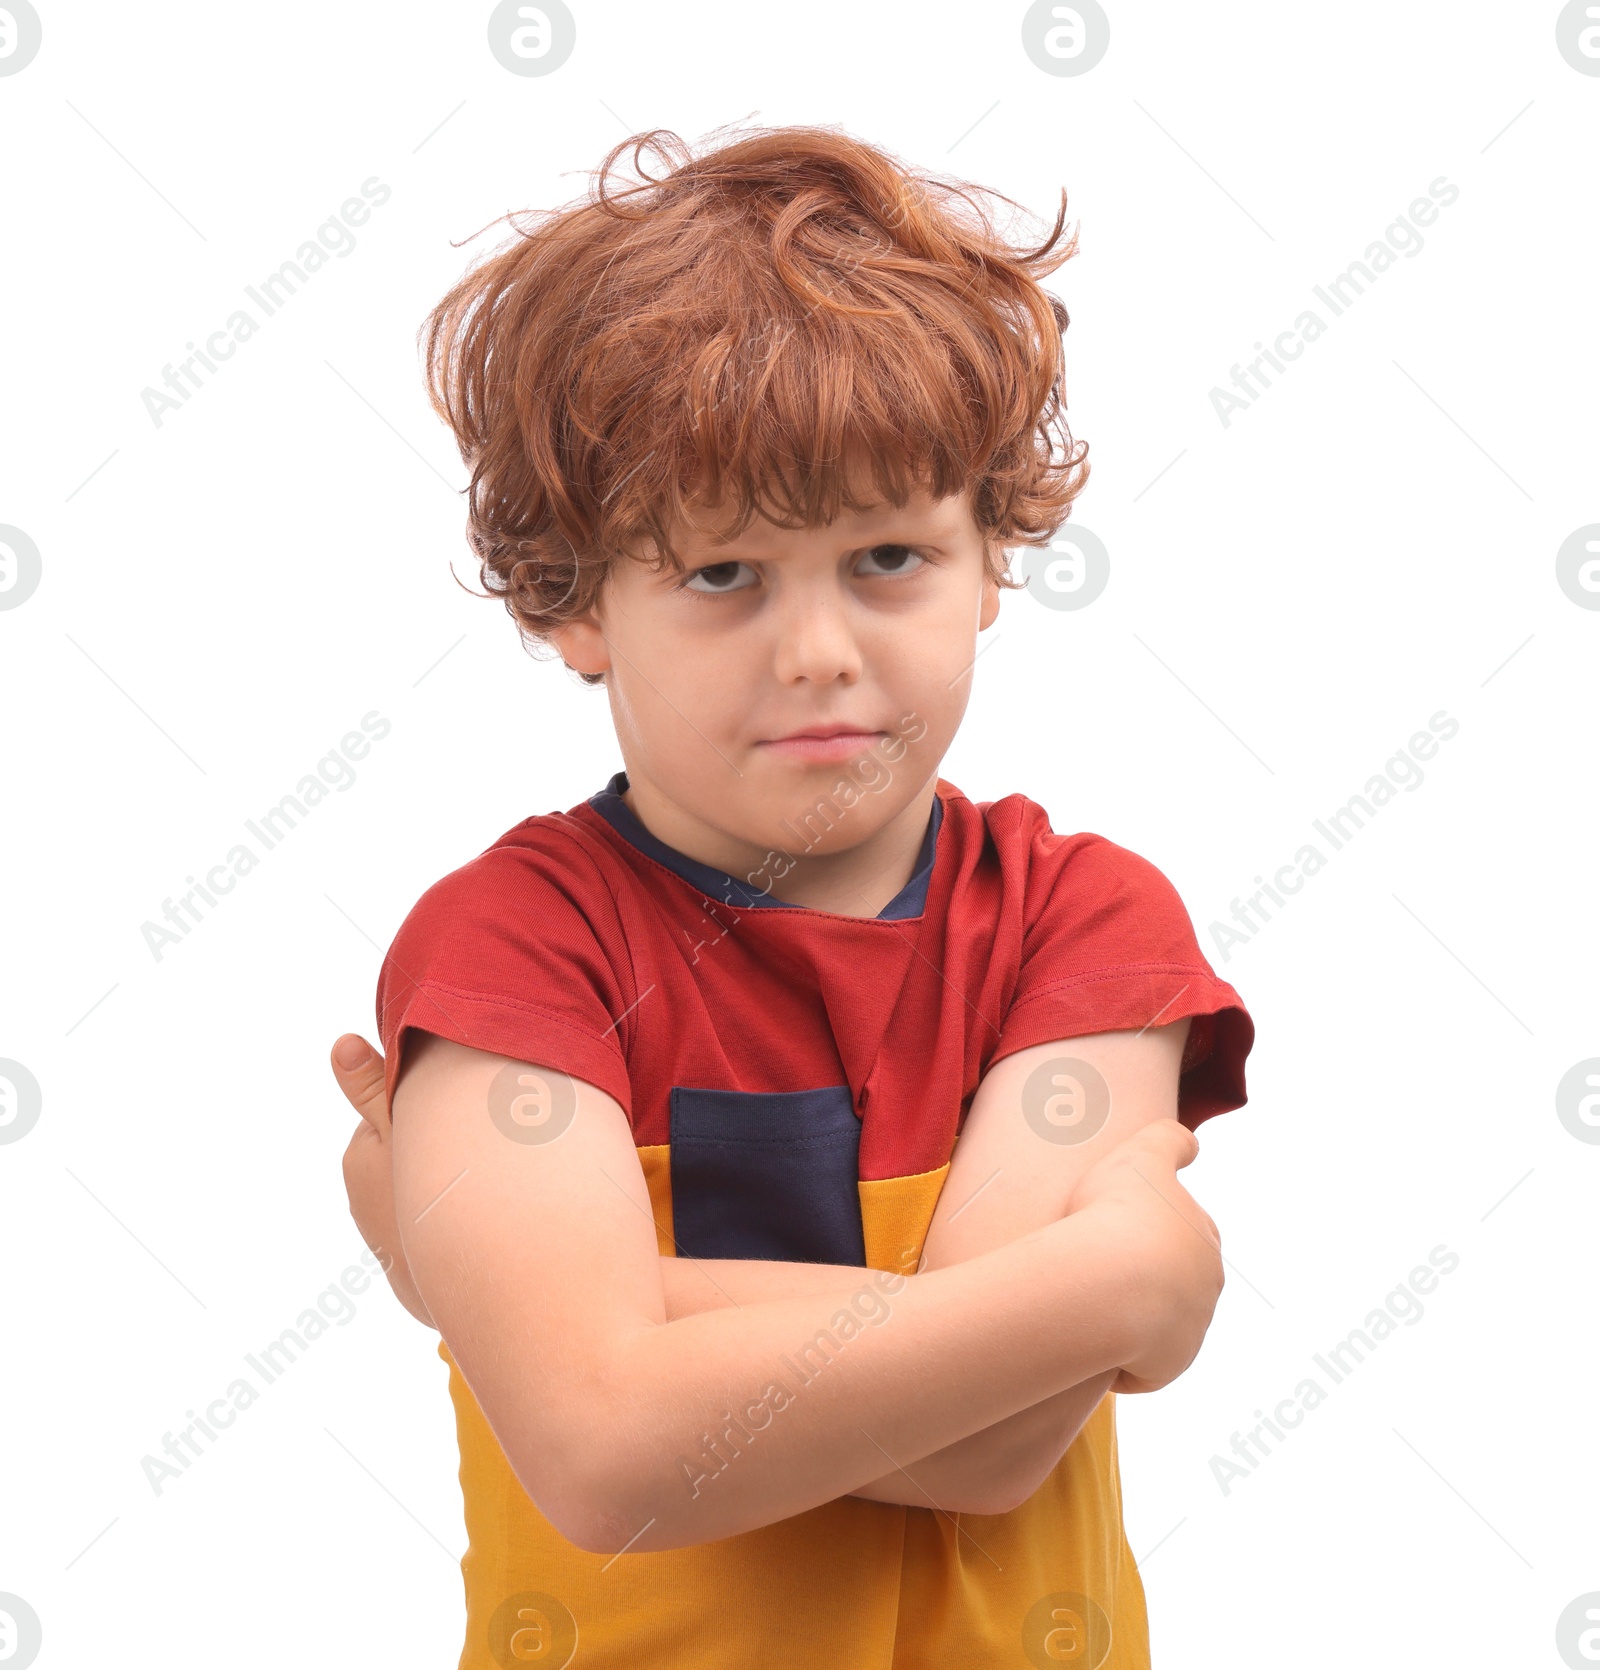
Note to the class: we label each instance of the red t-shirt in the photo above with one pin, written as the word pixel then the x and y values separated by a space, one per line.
pixel 786 1052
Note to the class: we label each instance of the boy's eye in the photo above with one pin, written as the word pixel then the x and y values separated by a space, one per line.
pixel 715 575
pixel 901 559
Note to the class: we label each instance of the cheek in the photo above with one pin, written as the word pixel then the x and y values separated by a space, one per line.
pixel 675 693
pixel 924 656
pixel 657 663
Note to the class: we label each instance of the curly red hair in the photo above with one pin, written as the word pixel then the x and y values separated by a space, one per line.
pixel 780 321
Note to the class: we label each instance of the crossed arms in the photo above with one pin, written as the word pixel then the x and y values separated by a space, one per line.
pixel 1052 1271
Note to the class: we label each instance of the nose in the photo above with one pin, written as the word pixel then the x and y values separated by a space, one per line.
pixel 816 635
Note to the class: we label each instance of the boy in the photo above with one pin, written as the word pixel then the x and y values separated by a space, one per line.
pixel 784 1146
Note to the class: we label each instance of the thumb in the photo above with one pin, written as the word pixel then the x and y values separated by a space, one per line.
pixel 1168 1142
pixel 1187 1144
pixel 359 1069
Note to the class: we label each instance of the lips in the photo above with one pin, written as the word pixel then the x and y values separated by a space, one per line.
pixel 831 742
pixel 823 731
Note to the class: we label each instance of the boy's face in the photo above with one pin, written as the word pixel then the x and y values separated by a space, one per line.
pixel 869 625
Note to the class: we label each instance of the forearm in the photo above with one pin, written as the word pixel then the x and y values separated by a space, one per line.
pixel 986 1472
pixel 693 1285
pixel 989 1471
pixel 856 1395
pixel 1000 1467
pixel 977 1474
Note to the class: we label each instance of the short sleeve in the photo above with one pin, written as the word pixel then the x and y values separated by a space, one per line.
pixel 515 953
pixel 1107 947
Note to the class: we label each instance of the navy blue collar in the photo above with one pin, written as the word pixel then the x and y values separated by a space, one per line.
pixel 718 884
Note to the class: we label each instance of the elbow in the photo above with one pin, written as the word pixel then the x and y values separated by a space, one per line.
pixel 611 1520
pixel 590 1491
pixel 592 1529
pixel 622 1510
pixel 1003 1489
pixel 992 1497
pixel 592 1466
pixel 592 1514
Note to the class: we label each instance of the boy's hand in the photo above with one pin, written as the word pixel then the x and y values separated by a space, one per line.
pixel 1172 1245
pixel 368 1180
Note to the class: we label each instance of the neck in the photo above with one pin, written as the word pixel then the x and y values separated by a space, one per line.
pixel 856 880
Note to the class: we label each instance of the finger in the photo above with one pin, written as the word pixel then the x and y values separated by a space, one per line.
pixel 1178 1145
pixel 364 1156
pixel 359 1069
pixel 1165 1141
pixel 1189 1146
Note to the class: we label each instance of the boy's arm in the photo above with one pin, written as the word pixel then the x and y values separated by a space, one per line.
pixel 537 1260
pixel 690 1285
pixel 1005 1180
pixel 992 1471
pixel 973 1476
pixel 1016 1164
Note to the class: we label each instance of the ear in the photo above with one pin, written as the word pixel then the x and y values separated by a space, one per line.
pixel 989 608
pixel 582 645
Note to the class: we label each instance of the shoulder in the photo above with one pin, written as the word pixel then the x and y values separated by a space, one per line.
pixel 551 862
pixel 1052 869
pixel 535 910
pixel 1108 945
pixel 518 952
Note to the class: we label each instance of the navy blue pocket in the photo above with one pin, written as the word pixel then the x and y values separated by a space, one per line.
pixel 767 1174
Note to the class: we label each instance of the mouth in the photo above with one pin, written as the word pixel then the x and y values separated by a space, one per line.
pixel 825 742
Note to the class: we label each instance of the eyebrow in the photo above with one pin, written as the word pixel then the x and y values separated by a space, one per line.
pixel 934 541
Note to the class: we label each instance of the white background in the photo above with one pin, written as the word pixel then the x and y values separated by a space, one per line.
pixel 1291 597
